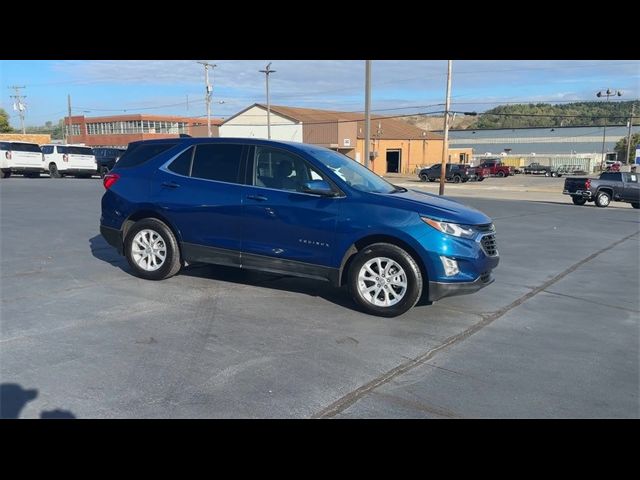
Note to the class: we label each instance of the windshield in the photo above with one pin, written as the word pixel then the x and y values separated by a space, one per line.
pixel 353 173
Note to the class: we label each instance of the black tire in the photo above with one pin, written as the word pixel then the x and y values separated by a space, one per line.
pixel 53 171
pixel 481 179
pixel 501 174
pixel 432 179
pixel 546 173
pixel 424 177
pixel 172 262
pixel 103 171
pixel 456 179
pixel 579 200
pixel 635 204
pixel 554 174
pixel 5 173
pixel 402 258
pixel 603 199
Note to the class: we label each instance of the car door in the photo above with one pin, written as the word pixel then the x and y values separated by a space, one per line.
pixel 200 191
pixel 434 171
pixel 282 225
pixel 631 191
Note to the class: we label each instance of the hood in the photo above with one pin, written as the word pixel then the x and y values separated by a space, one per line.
pixel 440 208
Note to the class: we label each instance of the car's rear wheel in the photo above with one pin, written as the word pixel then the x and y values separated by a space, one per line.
pixel 385 280
pixel 579 200
pixel 635 204
pixel 603 199
pixel 432 179
pixel 103 171
pixel 501 174
pixel 5 173
pixel 53 171
pixel 480 179
pixel 554 174
pixel 152 250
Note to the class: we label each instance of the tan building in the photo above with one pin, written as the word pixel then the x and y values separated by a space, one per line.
pixel 39 138
pixel 396 146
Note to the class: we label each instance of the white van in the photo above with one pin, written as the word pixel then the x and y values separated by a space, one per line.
pixel 20 157
pixel 61 160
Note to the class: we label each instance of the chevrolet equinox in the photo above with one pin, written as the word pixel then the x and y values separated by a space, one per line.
pixel 296 209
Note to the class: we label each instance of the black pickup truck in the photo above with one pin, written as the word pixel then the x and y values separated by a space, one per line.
pixel 611 186
pixel 538 168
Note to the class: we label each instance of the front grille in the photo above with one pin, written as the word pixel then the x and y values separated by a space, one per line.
pixel 489 246
pixel 488 227
pixel 484 277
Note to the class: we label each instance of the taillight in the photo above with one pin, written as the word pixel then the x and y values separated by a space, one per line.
pixel 8 155
pixel 109 179
pixel 587 184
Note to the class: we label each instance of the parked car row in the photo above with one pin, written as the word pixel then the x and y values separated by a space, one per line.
pixel 31 159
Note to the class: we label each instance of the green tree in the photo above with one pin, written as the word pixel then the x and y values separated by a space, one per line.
pixel 621 147
pixel 562 115
pixel 4 122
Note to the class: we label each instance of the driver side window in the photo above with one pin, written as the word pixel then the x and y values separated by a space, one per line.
pixel 281 170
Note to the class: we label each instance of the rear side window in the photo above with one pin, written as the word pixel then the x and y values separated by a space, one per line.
pixel 26 147
pixel 141 153
pixel 182 164
pixel 47 149
pixel 218 162
pixel 5 146
pixel 75 150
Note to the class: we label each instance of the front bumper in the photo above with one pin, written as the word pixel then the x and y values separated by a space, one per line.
pixel 438 290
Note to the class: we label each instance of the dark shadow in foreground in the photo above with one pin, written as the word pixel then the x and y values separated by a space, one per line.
pixel 13 398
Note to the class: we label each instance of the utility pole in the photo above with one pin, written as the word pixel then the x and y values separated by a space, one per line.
pixel 266 72
pixel 608 93
pixel 633 107
pixel 445 149
pixel 209 89
pixel 367 113
pixel 68 128
pixel 18 104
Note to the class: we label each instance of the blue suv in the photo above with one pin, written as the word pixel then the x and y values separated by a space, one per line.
pixel 296 209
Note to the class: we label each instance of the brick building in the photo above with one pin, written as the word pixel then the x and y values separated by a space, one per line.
pixel 119 130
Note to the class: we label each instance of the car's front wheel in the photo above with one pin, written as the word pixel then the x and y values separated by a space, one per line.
pixel 385 280
pixel 424 177
pixel 152 250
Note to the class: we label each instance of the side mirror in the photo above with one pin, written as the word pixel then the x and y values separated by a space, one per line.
pixel 318 187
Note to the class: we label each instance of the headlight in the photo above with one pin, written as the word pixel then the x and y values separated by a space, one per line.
pixel 464 231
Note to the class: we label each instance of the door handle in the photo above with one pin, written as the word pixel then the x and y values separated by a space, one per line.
pixel 260 198
pixel 170 184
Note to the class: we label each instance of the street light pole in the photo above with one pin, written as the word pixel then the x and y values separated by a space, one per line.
pixel 608 93
pixel 266 72
pixel 443 167
pixel 626 159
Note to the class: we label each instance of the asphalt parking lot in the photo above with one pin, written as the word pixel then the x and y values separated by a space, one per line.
pixel 556 335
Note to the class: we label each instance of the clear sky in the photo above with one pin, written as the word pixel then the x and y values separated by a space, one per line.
pixel 110 87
